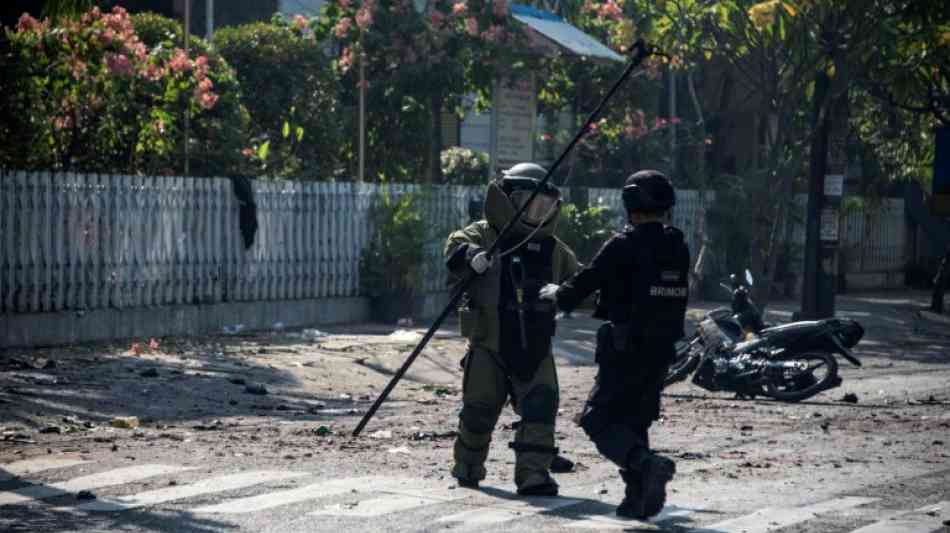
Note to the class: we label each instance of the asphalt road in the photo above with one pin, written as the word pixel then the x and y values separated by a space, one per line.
pixel 211 456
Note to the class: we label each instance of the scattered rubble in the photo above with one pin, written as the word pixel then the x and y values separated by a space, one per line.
pixel 406 336
pixel 125 422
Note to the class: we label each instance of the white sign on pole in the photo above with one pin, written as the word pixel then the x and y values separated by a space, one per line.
pixel 829 224
pixel 834 185
pixel 514 113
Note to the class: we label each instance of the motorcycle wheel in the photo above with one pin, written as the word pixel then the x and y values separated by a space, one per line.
pixel 816 372
pixel 686 360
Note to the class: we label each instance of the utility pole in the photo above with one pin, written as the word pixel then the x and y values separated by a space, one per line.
pixel 187 30
pixel 821 230
pixel 361 175
pixel 209 19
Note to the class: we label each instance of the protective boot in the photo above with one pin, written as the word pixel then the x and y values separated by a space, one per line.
pixel 561 465
pixel 632 504
pixel 536 484
pixel 655 472
pixel 468 475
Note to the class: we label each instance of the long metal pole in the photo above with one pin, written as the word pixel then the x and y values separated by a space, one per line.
pixel 641 50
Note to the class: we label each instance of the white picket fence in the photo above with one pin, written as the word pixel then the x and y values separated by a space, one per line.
pixel 79 242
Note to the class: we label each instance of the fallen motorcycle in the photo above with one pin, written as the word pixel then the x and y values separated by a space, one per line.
pixel 734 350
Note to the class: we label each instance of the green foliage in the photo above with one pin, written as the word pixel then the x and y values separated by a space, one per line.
pixel 290 91
pixel 416 65
pixel 463 166
pixel 91 95
pixel 392 263
pixel 585 230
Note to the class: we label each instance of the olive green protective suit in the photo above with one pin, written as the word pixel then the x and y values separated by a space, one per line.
pixel 497 367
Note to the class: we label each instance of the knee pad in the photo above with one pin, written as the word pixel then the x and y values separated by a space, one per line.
pixel 478 419
pixel 540 405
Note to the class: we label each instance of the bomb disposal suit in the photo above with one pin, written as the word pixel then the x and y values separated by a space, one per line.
pixel 642 277
pixel 509 329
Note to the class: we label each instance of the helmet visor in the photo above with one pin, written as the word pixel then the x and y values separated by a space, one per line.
pixel 541 208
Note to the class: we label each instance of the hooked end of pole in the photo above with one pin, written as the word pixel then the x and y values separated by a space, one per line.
pixel 642 49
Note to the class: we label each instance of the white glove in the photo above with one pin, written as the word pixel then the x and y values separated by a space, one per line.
pixel 481 262
pixel 549 292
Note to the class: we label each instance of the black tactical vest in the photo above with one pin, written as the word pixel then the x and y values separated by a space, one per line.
pixel 661 287
pixel 529 268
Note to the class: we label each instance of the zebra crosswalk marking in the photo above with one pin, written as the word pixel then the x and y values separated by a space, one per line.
pixel 899 523
pixel 391 503
pixel 612 521
pixel 309 492
pixel 773 518
pixel 205 486
pixel 510 510
pixel 32 466
pixel 118 476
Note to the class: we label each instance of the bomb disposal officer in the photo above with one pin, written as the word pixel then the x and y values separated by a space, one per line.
pixel 642 277
pixel 509 328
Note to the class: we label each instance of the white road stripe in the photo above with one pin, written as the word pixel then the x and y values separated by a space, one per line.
pixel 612 521
pixel 391 503
pixel 509 510
pixel 205 486
pixel 32 466
pixel 896 524
pixel 118 476
pixel 772 518
pixel 286 497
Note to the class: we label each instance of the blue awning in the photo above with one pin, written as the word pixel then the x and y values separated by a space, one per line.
pixel 563 34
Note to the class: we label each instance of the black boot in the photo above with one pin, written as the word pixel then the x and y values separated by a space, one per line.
pixel 655 472
pixel 632 504
pixel 561 465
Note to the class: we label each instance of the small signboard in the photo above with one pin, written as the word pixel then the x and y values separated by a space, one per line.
pixel 834 185
pixel 513 117
pixel 829 224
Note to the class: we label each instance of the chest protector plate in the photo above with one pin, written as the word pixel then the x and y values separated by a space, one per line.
pixel 528 269
pixel 661 288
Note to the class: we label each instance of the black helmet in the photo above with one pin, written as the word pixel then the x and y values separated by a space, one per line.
pixel 648 190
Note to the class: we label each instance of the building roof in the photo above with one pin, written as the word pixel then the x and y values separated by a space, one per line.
pixel 566 36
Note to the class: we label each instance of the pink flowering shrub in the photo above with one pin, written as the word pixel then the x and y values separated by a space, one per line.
pixel 92 95
pixel 419 65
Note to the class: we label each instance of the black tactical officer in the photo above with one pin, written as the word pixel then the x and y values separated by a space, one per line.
pixel 642 277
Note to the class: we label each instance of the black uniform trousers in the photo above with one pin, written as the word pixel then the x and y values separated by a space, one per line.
pixel 624 402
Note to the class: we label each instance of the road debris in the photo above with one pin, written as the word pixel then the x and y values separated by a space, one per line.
pixel 313 334
pixel 400 449
pixel 406 336
pixel 433 435
pixel 381 434
pixel 850 398
pixel 125 422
